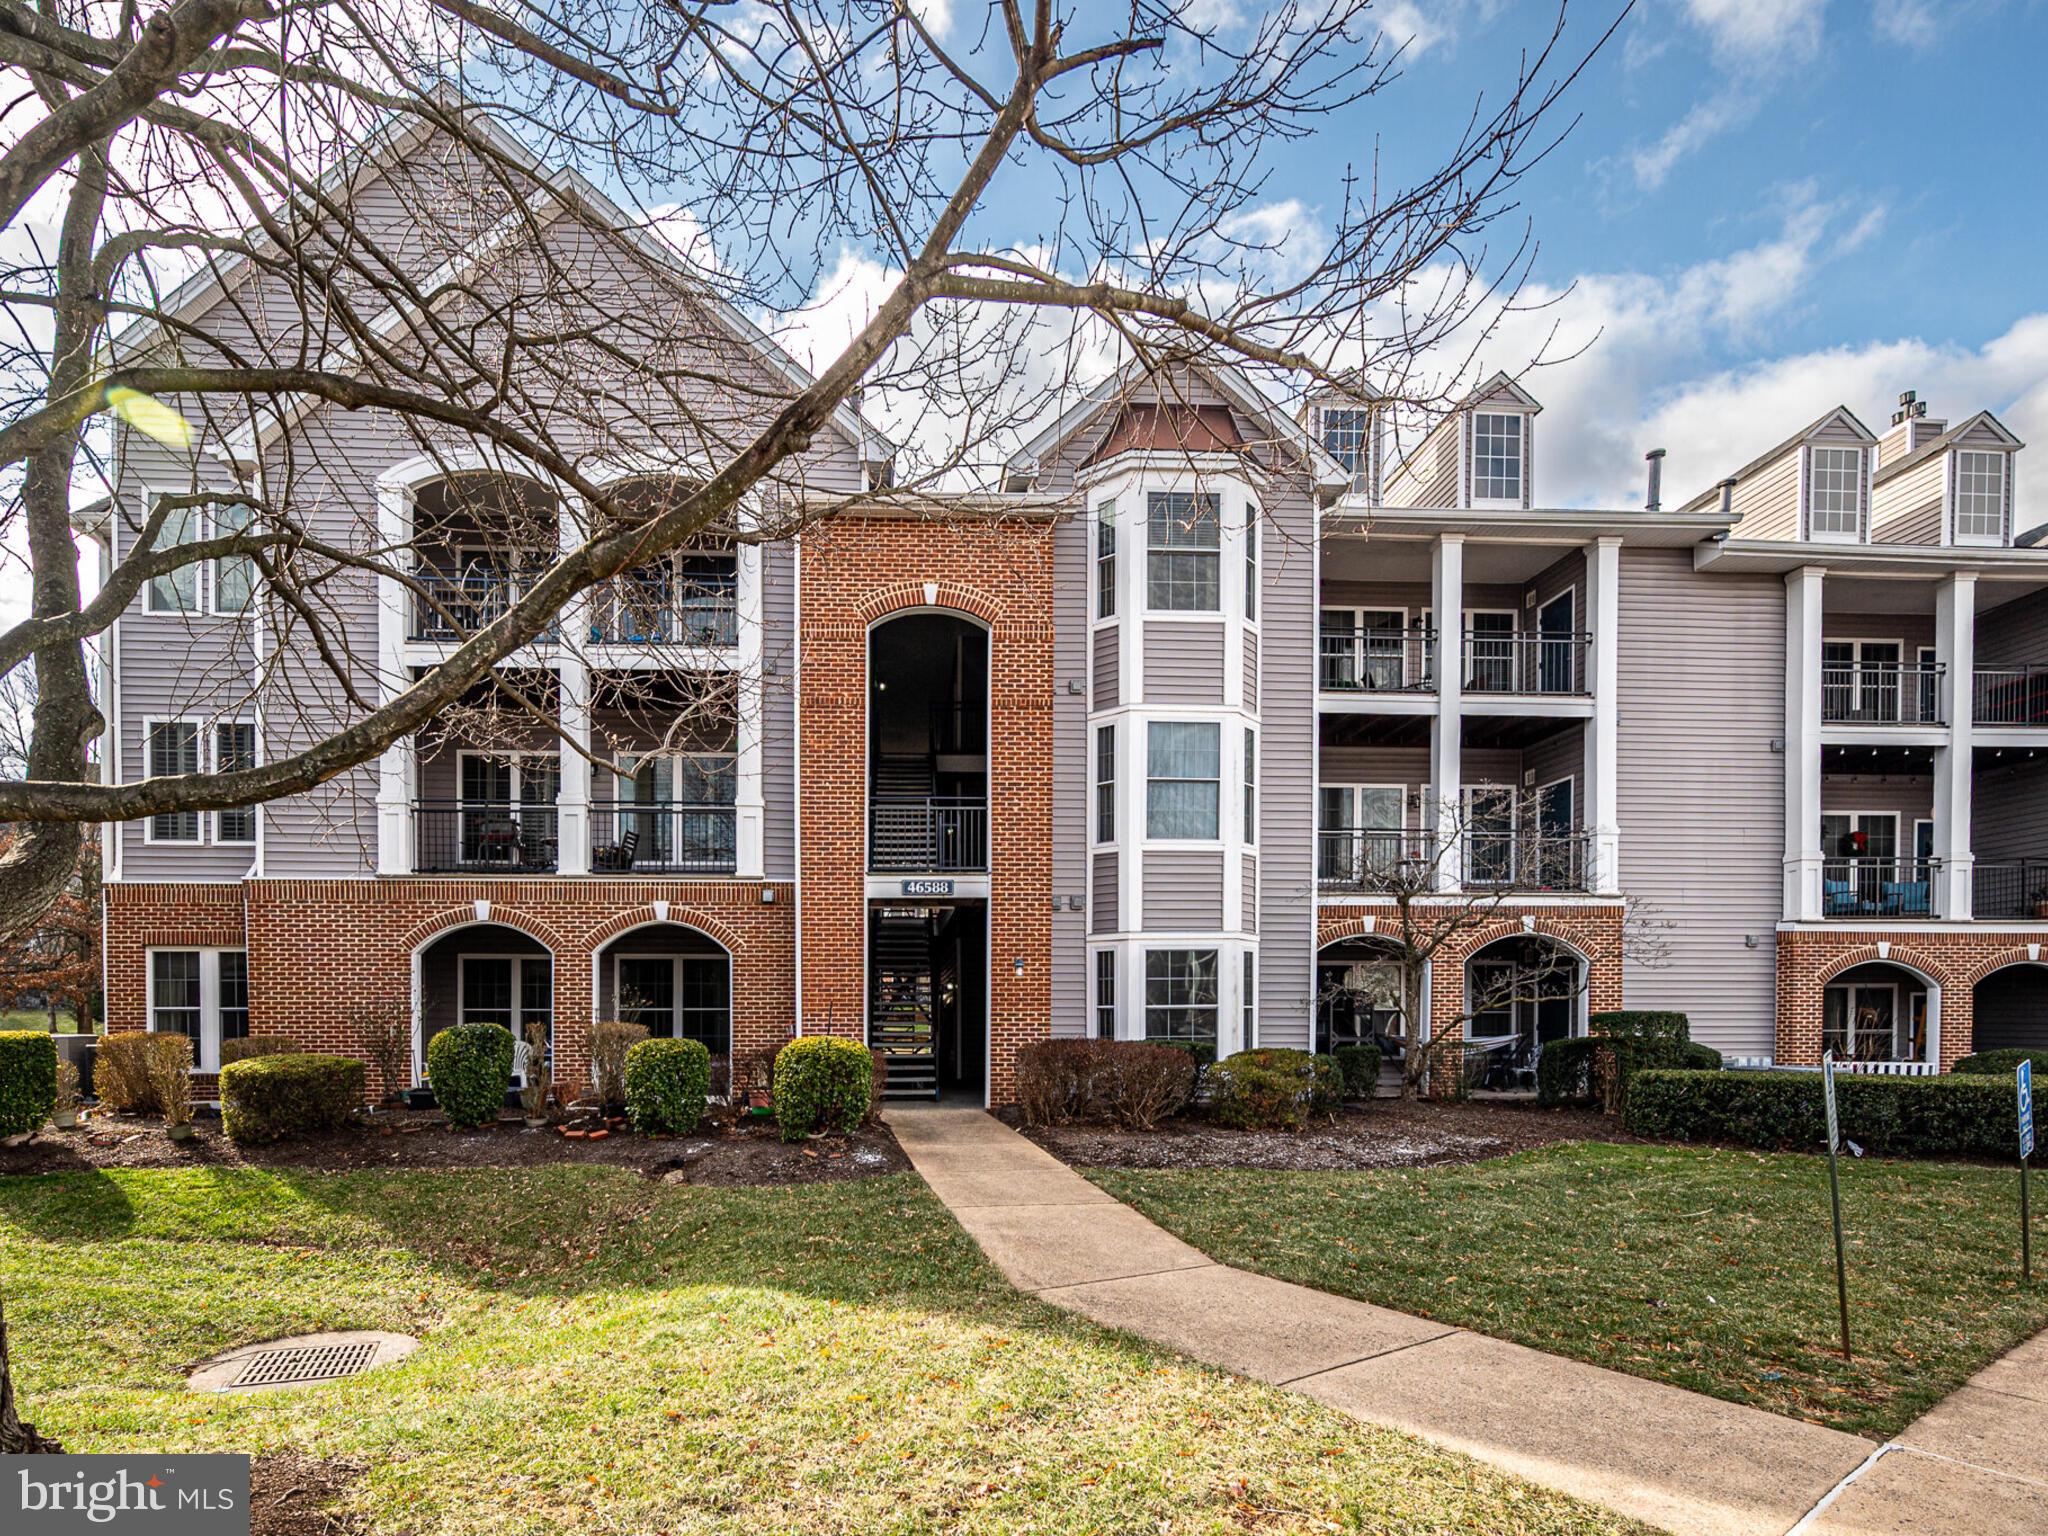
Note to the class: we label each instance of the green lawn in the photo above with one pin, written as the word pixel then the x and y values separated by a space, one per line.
pixel 37 1018
pixel 1710 1269
pixel 608 1354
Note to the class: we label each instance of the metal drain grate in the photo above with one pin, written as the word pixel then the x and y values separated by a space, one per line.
pixel 276 1367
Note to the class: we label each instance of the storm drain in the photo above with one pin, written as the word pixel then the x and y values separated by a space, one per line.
pixel 277 1367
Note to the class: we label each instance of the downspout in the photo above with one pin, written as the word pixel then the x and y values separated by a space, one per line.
pixel 796 735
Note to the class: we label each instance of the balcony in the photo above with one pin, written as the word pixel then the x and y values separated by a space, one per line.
pixel 455 605
pixel 1358 860
pixel 1878 886
pixel 2010 696
pixel 2015 889
pixel 1405 862
pixel 638 837
pixel 465 837
pixel 1881 694
pixel 916 833
pixel 1521 662
pixel 1377 661
pixel 693 609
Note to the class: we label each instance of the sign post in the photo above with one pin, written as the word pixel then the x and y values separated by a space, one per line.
pixel 2024 1079
pixel 1827 1094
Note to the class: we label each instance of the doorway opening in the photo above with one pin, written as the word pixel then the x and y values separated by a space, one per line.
pixel 928 998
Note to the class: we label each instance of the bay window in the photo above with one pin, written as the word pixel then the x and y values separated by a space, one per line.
pixel 1180 995
pixel 1183 780
pixel 1183 571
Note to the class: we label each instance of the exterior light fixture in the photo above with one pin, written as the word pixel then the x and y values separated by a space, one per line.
pixel 1018 965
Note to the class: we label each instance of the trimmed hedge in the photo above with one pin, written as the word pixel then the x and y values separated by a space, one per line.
pixel 1359 1066
pixel 278 1094
pixel 1274 1090
pixel 667 1084
pixel 2001 1063
pixel 1694 1057
pixel 469 1067
pixel 248 1047
pixel 822 1083
pixel 1570 1071
pixel 28 1080
pixel 1130 1083
pixel 1971 1115
pixel 120 1072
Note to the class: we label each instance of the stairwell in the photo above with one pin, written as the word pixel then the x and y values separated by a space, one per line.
pixel 900 1004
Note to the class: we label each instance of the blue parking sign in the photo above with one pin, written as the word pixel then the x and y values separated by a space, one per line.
pixel 2025 1079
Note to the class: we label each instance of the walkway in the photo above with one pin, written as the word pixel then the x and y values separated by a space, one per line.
pixel 1689 1463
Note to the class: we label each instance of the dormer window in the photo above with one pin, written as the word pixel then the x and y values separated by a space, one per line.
pixel 1835 493
pixel 1980 496
pixel 1346 433
pixel 1498 459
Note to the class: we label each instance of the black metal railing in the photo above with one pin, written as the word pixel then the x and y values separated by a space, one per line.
pixel 1527 662
pixel 478 836
pixel 2010 696
pixel 920 832
pixel 1377 661
pixel 1529 860
pixel 1362 860
pixel 1882 695
pixel 452 605
pixel 661 837
pixel 654 609
pixel 2010 888
pixel 1877 886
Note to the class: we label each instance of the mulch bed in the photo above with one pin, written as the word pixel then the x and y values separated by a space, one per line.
pixel 720 1153
pixel 291 1494
pixel 1389 1133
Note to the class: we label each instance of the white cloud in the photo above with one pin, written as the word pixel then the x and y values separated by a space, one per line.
pixel 1709 120
pixel 1754 41
pixel 1755 29
pixel 1407 25
pixel 1906 22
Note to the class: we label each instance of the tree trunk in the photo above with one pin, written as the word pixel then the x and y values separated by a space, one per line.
pixel 16 1438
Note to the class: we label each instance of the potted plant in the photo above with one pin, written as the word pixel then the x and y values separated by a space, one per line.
pixel 2039 900
pixel 536 1081
pixel 66 1115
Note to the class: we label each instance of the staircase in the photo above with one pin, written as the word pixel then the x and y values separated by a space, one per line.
pixel 900 1005
pixel 905 778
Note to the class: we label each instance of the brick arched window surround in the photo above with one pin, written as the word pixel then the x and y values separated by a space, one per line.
pixel 1924 966
pixel 2007 961
pixel 904 596
pixel 1566 934
pixel 427 930
pixel 1337 930
pixel 624 923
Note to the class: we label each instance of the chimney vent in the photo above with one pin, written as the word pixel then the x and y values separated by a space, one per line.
pixel 1655 501
pixel 1728 497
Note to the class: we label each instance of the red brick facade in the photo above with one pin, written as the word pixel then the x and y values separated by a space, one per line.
pixel 854 573
pixel 1955 960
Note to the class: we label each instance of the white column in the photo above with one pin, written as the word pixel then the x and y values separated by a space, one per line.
pixel 1803 589
pixel 1955 648
pixel 1447 730
pixel 750 799
pixel 572 799
pixel 1603 740
pixel 395 763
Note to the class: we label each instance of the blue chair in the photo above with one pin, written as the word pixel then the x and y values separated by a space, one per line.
pixel 1838 896
pixel 1908 898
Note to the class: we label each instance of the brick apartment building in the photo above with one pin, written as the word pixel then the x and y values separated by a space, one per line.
pixel 1127 745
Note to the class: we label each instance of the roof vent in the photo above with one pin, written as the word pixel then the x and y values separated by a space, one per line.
pixel 1728 497
pixel 1655 498
pixel 1911 407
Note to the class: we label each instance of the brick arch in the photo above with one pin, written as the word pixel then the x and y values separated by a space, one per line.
pixel 1336 930
pixel 1912 959
pixel 2005 960
pixel 430 928
pixel 1580 942
pixel 681 917
pixel 898 596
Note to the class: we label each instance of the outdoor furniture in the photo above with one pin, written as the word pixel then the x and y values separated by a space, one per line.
pixel 1838 896
pixel 619 855
pixel 1907 898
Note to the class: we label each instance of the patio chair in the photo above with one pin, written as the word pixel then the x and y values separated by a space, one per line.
pixel 1907 898
pixel 619 855
pixel 1838 896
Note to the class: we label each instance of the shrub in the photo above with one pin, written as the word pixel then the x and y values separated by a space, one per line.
pixel 269 1097
pixel 170 1077
pixel 1694 1057
pixel 383 1032
pixel 1967 1114
pixel 536 1077
pixel 1359 1065
pixel 610 1039
pixel 469 1067
pixel 28 1080
pixel 67 1086
pixel 1133 1084
pixel 1274 1090
pixel 667 1082
pixel 2000 1063
pixel 1564 1072
pixel 1056 1081
pixel 120 1072
pixel 248 1046
pixel 1633 1040
pixel 822 1082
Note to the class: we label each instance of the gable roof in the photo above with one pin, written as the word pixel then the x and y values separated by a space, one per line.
pixel 1945 440
pixel 1771 456
pixel 1501 384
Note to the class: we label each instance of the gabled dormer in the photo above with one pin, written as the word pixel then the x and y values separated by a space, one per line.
pixel 1482 455
pixel 1943 485
pixel 1349 430
pixel 1814 486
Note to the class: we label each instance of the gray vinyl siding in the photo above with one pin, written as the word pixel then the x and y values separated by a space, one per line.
pixel 778 711
pixel 1072 776
pixel 1910 797
pixel 1768 501
pixel 1430 475
pixel 1409 597
pixel 2009 805
pixel 1287 748
pixel 1251 669
pixel 1250 893
pixel 1906 508
pixel 1701 792
pixel 1567 574
pixel 1102 902
pixel 1560 755
pixel 1108 672
pixel 1183 662
pixel 1183 889
pixel 1913 630
pixel 2013 634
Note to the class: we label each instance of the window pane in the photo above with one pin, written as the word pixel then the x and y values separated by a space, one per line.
pixel 1344 434
pixel 234 994
pixel 647 993
pixel 173 748
pixel 176 591
pixel 1105 995
pixel 234 748
pixel 1251 562
pixel 1180 995
pixel 1183 573
pixel 486 990
pixel 174 994
pixel 1980 495
pixel 1249 1000
pixel 1105 560
pixel 1184 773
pixel 234 576
pixel 1835 490
pixel 1251 786
pixel 1105 783
pixel 1497 457
pixel 707 1003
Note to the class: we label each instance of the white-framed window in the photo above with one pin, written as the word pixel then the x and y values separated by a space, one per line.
pixel 1498 459
pixel 1105 560
pixel 234 748
pixel 171 747
pixel 1834 492
pixel 1183 780
pixel 1360 829
pixel 1251 786
pixel 1180 995
pixel 1105 783
pixel 686 997
pixel 1248 1001
pixel 1105 994
pixel 1368 648
pixel 1346 432
pixel 1980 495
pixel 202 994
pixel 178 590
pixel 1251 563
pixel 1490 819
pixel 1183 552
pixel 234 576
pixel 511 991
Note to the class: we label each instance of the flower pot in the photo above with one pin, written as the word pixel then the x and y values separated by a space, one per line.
pixel 65 1119
pixel 536 1122
pixel 181 1132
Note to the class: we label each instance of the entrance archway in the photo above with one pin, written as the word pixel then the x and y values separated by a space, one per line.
pixel 1881 1011
pixel 1521 993
pixel 1358 999
pixel 674 981
pixel 482 973
pixel 2010 1009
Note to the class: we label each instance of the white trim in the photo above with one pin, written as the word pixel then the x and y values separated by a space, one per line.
pixel 206 1049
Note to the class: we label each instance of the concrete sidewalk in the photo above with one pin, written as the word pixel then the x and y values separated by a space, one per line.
pixel 1693 1464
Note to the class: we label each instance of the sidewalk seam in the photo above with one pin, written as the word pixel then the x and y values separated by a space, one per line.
pixel 1805 1522
pixel 1379 1354
pixel 1143 1274
pixel 1974 1466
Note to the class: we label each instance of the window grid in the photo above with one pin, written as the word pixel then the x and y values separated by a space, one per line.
pixel 1183 780
pixel 1105 783
pixel 1249 1002
pixel 1344 439
pixel 173 748
pixel 1251 787
pixel 1980 495
pixel 234 576
pixel 234 748
pixel 1834 492
pixel 1183 552
pixel 176 591
pixel 1105 560
pixel 1105 994
pixel 1180 995
pixel 176 1003
pixel 1496 457
pixel 234 994
pixel 1251 563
